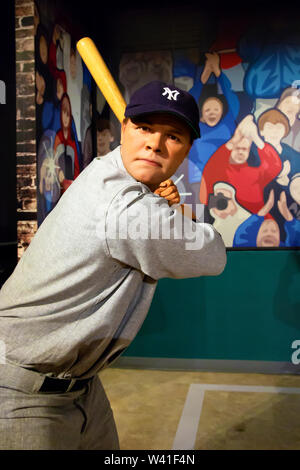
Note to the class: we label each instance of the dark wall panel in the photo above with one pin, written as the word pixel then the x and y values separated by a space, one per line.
pixel 8 237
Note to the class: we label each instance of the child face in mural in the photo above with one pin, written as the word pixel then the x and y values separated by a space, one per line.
pixel 268 234
pixel 65 114
pixel 59 89
pixel 212 111
pixel 104 139
pixel 273 133
pixel 273 126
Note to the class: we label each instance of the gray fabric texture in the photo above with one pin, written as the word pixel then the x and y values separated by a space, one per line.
pixel 82 289
pixel 81 420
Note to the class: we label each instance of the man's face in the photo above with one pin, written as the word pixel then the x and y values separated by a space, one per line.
pixel 240 152
pixel 268 234
pixel 273 133
pixel 153 148
pixel 212 111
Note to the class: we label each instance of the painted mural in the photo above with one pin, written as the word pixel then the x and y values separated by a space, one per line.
pixel 245 169
pixel 63 107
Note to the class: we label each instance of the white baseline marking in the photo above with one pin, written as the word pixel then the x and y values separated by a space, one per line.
pixel 187 429
pixel 185 437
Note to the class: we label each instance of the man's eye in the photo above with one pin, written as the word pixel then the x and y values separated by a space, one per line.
pixel 174 137
pixel 144 128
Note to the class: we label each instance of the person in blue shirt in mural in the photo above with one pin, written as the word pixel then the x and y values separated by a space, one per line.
pixel 271 53
pixel 261 230
pixel 218 113
pixel 274 127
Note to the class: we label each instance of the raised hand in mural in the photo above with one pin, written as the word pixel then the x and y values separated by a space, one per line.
pixel 212 65
pixel 283 208
pixel 246 129
pixel 268 206
pixel 214 60
pixel 283 178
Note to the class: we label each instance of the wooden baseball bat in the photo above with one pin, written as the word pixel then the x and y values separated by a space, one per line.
pixel 102 76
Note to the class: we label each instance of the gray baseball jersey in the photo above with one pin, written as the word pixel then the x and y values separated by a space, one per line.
pixel 82 289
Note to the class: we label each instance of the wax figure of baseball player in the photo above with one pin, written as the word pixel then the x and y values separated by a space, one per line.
pixel 82 289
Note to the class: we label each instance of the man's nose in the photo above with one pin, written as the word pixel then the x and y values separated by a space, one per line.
pixel 155 141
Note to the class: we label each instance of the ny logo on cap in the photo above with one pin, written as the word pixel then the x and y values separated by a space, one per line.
pixel 172 95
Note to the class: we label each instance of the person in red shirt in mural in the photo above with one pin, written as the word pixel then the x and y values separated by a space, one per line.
pixel 65 150
pixel 229 164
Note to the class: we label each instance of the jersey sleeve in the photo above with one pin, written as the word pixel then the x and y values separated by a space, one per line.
pixel 144 232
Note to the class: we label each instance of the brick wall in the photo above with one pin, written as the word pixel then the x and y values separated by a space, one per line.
pixel 26 134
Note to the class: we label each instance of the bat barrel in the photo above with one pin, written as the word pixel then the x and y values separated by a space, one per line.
pixel 102 76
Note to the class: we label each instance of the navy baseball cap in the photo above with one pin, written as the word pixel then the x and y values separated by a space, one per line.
pixel 160 97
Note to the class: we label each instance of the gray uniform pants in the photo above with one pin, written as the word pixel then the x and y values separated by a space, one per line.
pixel 30 420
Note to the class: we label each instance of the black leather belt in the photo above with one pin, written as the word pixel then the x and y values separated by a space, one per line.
pixel 51 384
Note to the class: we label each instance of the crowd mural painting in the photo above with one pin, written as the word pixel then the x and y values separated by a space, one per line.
pixel 245 168
pixel 63 111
